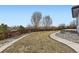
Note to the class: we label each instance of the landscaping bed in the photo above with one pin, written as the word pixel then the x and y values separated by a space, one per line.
pixel 69 35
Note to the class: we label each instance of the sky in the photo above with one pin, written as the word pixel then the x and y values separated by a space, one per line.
pixel 14 15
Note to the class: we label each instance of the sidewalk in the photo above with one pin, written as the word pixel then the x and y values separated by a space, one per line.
pixel 73 45
pixel 9 43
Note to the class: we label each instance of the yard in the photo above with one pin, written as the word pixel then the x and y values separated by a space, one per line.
pixel 39 42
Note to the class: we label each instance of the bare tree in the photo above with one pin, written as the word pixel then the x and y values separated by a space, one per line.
pixel 29 26
pixel 47 21
pixel 36 17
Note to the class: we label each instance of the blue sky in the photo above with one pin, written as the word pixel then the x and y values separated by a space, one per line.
pixel 21 14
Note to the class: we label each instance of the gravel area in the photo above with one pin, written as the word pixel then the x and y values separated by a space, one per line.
pixel 74 37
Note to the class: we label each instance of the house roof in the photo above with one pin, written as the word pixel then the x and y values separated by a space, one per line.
pixel 75 11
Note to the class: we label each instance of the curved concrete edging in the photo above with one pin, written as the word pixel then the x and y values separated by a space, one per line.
pixel 10 43
pixel 73 45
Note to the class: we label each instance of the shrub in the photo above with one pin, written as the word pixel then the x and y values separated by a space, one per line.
pixel 62 31
pixel 2 36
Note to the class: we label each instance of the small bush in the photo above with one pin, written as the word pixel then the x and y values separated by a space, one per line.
pixel 2 36
pixel 62 31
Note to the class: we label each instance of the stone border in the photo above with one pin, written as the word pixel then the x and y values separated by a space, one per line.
pixel 9 44
pixel 73 45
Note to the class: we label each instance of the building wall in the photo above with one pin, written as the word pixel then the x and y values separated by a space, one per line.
pixel 77 19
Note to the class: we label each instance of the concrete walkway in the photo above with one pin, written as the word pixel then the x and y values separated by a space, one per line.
pixel 7 44
pixel 73 45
